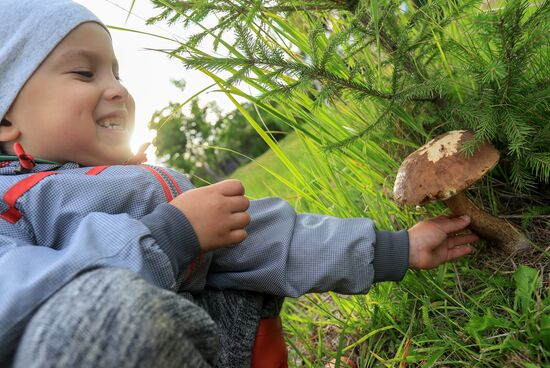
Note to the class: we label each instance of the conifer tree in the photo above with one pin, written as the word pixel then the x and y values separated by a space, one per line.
pixel 458 64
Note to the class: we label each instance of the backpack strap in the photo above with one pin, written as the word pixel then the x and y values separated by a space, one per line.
pixel 96 170
pixel 12 214
pixel 172 180
pixel 160 179
pixel 157 171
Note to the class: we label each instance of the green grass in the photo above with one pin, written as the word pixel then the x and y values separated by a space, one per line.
pixel 459 315
pixel 259 182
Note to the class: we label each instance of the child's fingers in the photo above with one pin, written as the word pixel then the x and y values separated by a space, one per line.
pixel 457 252
pixel 461 240
pixel 239 220
pixel 231 187
pixel 237 236
pixel 453 225
pixel 238 203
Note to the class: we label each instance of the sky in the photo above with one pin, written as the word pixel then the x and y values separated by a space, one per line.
pixel 146 73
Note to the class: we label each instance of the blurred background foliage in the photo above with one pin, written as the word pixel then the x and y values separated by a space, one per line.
pixel 196 142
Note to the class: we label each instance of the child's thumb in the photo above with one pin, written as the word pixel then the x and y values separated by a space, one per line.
pixel 456 224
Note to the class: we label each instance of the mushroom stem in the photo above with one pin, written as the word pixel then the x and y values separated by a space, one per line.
pixel 499 231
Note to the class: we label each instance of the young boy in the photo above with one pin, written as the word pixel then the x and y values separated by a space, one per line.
pixel 108 264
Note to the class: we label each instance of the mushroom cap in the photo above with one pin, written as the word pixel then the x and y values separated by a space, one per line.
pixel 439 169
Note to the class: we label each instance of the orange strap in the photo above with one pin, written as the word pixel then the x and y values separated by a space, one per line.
pixel 96 170
pixel 169 197
pixel 269 349
pixel 172 180
pixel 159 178
pixel 12 214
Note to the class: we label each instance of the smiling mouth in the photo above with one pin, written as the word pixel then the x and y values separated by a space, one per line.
pixel 113 123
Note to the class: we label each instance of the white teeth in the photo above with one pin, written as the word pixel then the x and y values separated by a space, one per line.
pixel 112 124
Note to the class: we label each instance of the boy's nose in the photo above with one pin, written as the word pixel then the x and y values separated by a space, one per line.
pixel 116 91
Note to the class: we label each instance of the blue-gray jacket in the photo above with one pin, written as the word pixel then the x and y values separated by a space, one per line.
pixel 58 221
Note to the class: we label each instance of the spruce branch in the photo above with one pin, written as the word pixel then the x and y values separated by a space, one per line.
pixel 298 71
pixel 499 61
pixel 539 163
pixel 304 6
pixel 238 9
pixel 520 176
pixel 382 118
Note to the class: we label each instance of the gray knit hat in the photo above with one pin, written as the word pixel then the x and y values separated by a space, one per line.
pixel 29 31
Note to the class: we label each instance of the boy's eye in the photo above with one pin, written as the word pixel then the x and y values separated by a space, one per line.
pixel 85 73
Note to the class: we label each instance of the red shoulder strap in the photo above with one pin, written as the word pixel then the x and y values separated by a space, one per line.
pixel 12 215
pixel 172 180
pixel 96 170
pixel 159 178
pixel 169 197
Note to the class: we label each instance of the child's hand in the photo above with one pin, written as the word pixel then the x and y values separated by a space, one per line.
pixel 432 242
pixel 217 213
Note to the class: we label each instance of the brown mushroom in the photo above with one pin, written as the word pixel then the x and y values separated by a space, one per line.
pixel 440 170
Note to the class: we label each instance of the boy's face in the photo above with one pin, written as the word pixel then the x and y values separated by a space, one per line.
pixel 74 108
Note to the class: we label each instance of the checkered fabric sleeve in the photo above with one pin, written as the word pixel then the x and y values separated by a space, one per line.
pixel 291 254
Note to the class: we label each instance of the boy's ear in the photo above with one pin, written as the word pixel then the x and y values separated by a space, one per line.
pixel 8 131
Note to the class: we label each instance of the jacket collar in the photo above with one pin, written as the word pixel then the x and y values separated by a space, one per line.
pixel 9 165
